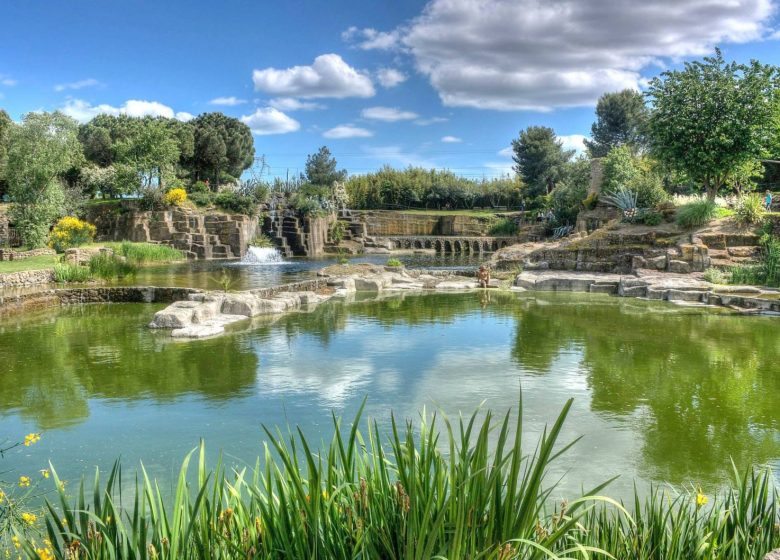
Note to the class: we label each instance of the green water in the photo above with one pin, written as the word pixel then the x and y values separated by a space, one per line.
pixel 662 393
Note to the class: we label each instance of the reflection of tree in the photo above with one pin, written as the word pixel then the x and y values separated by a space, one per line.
pixel 703 383
pixel 53 367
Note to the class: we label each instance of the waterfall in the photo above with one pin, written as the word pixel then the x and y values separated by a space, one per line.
pixel 263 255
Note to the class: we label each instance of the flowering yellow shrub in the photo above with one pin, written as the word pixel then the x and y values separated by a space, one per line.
pixel 175 197
pixel 70 232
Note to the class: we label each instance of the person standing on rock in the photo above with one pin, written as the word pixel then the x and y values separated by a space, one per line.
pixel 768 201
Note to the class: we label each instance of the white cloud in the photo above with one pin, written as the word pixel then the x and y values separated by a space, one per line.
pixel 390 77
pixel 531 55
pixel 227 101
pixel 6 80
pixel 388 114
pixel 574 142
pixel 83 111
pixel 267 120
pixel 347 131
pixel 775 36
pixel 506 152
pixel 451 139
pixel 81 84
pixel 291 104
pixel 328 76
pixel 371 39
pixel 430 121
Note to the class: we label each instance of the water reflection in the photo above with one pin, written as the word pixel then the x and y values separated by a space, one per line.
pixel 662 393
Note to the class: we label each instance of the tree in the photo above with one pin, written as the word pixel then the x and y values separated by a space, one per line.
pixel 41 149
pixel 222 146
pixel 321 169
pixel 712 117
pixel 5 132
pixel 540 159
pixel 150 150
pixel 621 120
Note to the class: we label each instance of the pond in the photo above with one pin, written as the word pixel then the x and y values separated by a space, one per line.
pixel 662 393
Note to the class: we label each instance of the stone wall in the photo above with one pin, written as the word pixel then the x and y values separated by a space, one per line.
pixel 12 255
pixel 26 278
pixel 381 223
pixel 198 235
pixel 301 236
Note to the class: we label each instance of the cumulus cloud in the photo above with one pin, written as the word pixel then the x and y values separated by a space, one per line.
pixel 292 104
pixel 227 101
pixel 390 77
pixel 268 120
pixel 531 55
pixel 451 139
pixel 388 114
pixel 81 84
pixel 574 142
pixel 370 39
pixel 83 111
pixel 506 152
pixel 347 131
pixel 328 76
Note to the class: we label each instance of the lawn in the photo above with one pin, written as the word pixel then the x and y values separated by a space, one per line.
pixel 33 263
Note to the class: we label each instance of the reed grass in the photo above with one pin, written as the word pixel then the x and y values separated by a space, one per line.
pixel 109 266
pixel 143 253
pixel 70 272
pixel 456 489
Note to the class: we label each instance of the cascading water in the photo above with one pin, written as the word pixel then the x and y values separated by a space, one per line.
pixel 263 256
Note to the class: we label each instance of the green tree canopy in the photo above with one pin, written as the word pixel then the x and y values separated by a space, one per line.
pixel 540 159
pixel 321 169
pixel 41 150
pixel 222 146
pixel 621 120
pixel 5 133
pixel 712 117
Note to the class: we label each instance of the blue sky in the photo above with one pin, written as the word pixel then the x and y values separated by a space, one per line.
pixel 445 84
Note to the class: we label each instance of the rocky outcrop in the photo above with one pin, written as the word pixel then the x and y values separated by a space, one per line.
pixel 198 235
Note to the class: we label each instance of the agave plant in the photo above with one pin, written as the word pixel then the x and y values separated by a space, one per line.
pixel 624 199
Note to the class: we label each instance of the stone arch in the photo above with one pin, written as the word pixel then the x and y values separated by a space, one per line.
pixel 428 244
pixel 418 244
pixel 438 246
pixel 447 246
pixel 456 246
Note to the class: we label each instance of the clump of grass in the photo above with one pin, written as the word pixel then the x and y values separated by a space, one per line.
pixel 142 253
pixel 749 210
pixel 225 279
pixel 70 272
pixel 767 272
pixel 394 262
pixel 716 276
pixel 696 214
pixel 262 241
pixel 109 266
pixel 504 226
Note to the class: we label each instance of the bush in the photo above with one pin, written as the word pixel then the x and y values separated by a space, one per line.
pixel 70 232
pixel 749 209
pixel 175 197
pixel 591 201
pixel 69 272
pixel 649 190
pixel 337 231
pixel 235 202
pixel 262 241
pixel 394 262
pixel 202 198
pixel 108 266
pixel 504 226
pixel 716 276
pixel 652 218
pixel 696 214
pixel 306 204
pixel 199 187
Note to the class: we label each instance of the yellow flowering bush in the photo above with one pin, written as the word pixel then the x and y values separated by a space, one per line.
pixel 70 232
pixel 175 197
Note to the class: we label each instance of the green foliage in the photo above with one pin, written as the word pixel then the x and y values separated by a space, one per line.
pixel 591 201
pixel 540 159
pixel 70 272
pixel 223 148
pixel 201 198
pixel 5 133
pixel 767 272
pixel 716 276
pixel 621 167
pixel 649 189
pixel 503 226
pixel 621 120
pixel 70 232
pixel 226 279
pixel 142 253
pixel 749 209
pixel 262 241
pixel 652 218
pixel 233 201
pixel 41 150
pixel 712 117
pixel 337 231
pixel 107 266
pixel 623 199
pixel 394 262
pixel 696 214
pixel 321 169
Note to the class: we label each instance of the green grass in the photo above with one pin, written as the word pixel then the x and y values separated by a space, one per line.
pixel 109 266
pixel 33 263
pixel 504 226
pixel 461 488
pixel 69 272
pixel 697 214
pixel 143 253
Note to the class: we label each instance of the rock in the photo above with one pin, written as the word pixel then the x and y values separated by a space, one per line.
pixel 773 555
pixel 656 263
pixel 175 316
pixel 679 267
pixel 368 284
pixel 638 262
pixel 457 285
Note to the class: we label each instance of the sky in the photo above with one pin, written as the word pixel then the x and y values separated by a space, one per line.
pixel 442 84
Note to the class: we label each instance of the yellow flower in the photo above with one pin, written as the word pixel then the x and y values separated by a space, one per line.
pixel 2 496
pixel 701 499
pixel 44 554
pixel 24 481
pixel 45 473
pixel 29 518
pixel 16 542
pixel 175 197
pixel 30 439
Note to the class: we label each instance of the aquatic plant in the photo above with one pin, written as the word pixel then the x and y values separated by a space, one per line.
pixel 394 262
pixel 71 272
pixel 108 266
pixel 225 279
pixel 142 253
pixel 262 241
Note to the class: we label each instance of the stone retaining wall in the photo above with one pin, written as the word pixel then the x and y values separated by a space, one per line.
pixel 12 255
pixel 389 223
pixel 26 278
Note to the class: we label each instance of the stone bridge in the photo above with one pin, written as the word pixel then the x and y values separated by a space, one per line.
pixel 448 244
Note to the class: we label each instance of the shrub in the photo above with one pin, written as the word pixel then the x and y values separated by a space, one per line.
pixel 716 276
pixel 262 241
pixel 749 209
pixel 652 218
pixel 70 272
pixel 306 205
pixel 201 198
pixel 504 226
pixel 394 262
pixel 696 214
pixel 649 190
pixel 591 201
pixel 109 266
pixel 70 232
pixel 337 231
pixel 200 187
pixel 175 197
pixel 236 202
